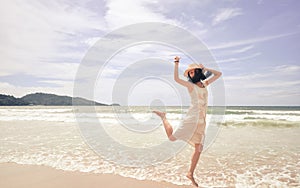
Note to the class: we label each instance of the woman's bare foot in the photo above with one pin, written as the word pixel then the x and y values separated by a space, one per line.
pixel 162 115
pixel 191 177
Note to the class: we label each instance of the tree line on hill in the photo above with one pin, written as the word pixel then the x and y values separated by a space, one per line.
pixel 47 100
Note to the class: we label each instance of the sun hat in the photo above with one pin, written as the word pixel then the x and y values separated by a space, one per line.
pixel 191 67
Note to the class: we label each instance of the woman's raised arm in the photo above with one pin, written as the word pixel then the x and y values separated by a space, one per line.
pixel 176 76
pixel 216 74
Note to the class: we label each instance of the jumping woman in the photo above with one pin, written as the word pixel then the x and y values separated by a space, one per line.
pixel 192 128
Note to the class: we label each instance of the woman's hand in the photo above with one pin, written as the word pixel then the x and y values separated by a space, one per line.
pixel 202 66
pixel 176 59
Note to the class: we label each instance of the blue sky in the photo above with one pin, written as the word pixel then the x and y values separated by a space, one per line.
pixel 255 43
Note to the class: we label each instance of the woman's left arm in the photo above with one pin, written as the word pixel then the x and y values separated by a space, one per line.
pixel 216 74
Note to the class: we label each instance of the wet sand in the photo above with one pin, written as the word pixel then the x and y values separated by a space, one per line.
pixel 18 176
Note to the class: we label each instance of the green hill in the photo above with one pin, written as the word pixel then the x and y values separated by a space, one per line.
pixel 8 100
pixel 46 100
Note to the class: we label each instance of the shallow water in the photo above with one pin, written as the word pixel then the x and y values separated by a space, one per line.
pixel 261 151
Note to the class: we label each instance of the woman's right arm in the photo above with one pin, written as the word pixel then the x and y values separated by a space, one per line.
pixel 176 76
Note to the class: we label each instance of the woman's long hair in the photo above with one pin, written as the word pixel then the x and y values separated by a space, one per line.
pixel 199 76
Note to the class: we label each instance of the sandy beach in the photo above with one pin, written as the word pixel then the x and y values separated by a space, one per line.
pixel 18 176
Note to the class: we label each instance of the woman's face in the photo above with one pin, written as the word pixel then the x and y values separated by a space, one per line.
pixel 192 73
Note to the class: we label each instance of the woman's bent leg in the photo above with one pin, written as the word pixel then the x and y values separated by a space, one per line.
pixel 167 125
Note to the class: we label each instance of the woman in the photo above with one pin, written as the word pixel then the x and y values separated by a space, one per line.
pixel 192 128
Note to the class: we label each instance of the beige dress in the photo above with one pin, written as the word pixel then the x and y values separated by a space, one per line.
pixel 192 128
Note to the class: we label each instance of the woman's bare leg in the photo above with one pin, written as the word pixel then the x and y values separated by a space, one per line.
pixel 167 125
pixel 195 159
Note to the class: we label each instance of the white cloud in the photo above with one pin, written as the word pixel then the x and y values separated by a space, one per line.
pixel 241 50
pixel 47 39
pixel 121 13
pixel 269 86
pixel 278 72
pixel 239 59
pixel 66 88
pixel 226 14
pixel 42 31
pixel 250 41
pixel 259 2
pixel 91 41
pixel 287 69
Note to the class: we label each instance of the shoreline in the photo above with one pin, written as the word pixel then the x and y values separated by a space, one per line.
pixel 15 175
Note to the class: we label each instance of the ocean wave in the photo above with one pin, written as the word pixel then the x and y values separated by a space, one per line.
pixel 263 112
pixel 261 123
pixel 240 116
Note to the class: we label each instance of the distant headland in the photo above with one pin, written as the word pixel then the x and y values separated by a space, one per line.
pixel 47 99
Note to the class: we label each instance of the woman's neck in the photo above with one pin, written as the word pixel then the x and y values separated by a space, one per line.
pixel 200 84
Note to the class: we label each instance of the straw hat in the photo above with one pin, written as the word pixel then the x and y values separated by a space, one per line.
pixel 191 67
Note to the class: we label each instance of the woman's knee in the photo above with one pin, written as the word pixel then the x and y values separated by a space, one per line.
pixel 198 148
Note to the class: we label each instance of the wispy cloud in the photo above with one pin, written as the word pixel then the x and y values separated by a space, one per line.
pixel 240 59
pixel 273 77
pixel 277 85
pixel 276 71
pixel 118 14
pixel 19 91
pixel 244 49
pixel 46 40
pixel 226 14
pixel 287 69
pixel 47 31
pixel 250 41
